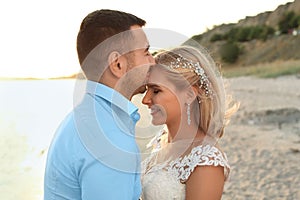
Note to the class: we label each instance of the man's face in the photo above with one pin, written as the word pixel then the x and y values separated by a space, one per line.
pixel 138 61
pixel 139 55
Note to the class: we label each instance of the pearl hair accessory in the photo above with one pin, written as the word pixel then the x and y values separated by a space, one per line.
pixel 195 67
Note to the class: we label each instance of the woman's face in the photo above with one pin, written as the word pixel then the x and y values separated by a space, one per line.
pixel 163 99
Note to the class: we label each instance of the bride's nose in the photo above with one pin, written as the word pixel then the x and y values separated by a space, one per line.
pixel 147 99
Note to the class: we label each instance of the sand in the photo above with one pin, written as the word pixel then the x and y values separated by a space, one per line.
pixel 262 141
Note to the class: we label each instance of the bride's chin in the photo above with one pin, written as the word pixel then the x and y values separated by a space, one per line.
pixel 157 122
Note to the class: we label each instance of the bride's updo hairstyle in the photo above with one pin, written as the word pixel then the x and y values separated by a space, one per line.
pixel 186 66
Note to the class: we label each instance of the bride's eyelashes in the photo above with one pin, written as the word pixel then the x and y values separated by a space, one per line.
pixel 156 91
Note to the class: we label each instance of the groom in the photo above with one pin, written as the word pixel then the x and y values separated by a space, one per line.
pixel 94 154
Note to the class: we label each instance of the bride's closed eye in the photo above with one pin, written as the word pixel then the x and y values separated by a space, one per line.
pixel 155 91
pixel 153 88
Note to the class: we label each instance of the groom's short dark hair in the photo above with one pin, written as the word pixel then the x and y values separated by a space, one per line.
pixel 100 25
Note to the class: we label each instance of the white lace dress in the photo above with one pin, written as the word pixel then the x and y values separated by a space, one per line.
pixel 164 174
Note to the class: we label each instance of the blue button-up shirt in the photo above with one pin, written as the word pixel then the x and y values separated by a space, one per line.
pixel 94 154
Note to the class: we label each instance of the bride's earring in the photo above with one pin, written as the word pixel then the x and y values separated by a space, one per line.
pixel 188 112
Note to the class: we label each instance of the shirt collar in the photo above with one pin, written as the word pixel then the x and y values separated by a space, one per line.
pixel 111 96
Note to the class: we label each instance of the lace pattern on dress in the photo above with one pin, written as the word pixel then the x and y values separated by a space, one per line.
pixel 161 171
pixel 182 167
pixel 200 156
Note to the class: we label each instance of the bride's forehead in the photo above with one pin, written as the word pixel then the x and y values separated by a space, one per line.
pixel 158 78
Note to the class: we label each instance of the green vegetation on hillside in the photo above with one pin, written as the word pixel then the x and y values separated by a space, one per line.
pixel 232 40
pixel 245 34
pixel 289 21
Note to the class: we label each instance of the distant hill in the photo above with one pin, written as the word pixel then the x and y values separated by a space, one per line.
pixel 276 47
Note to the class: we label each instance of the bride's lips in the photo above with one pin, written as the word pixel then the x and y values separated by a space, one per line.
pixel 154 110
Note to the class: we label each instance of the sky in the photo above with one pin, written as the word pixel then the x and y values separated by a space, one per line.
pixel 38 38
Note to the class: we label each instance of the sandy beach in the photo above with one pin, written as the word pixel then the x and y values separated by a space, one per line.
pixel 262 141
pixel 262 144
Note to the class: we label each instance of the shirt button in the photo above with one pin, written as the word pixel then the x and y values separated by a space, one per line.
pixel 136 116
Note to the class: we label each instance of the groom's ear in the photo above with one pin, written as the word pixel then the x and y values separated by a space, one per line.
pixel 117 64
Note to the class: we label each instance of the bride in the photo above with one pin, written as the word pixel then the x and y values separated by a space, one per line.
pixel 185 92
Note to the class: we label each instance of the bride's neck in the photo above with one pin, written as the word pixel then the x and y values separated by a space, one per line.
pixel 183 132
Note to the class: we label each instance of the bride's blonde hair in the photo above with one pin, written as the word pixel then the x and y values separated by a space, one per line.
pixel 212 108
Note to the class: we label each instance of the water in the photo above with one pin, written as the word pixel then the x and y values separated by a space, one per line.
pixel 30 112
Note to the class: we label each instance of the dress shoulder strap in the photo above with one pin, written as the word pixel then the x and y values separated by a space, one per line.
pixel 200 155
